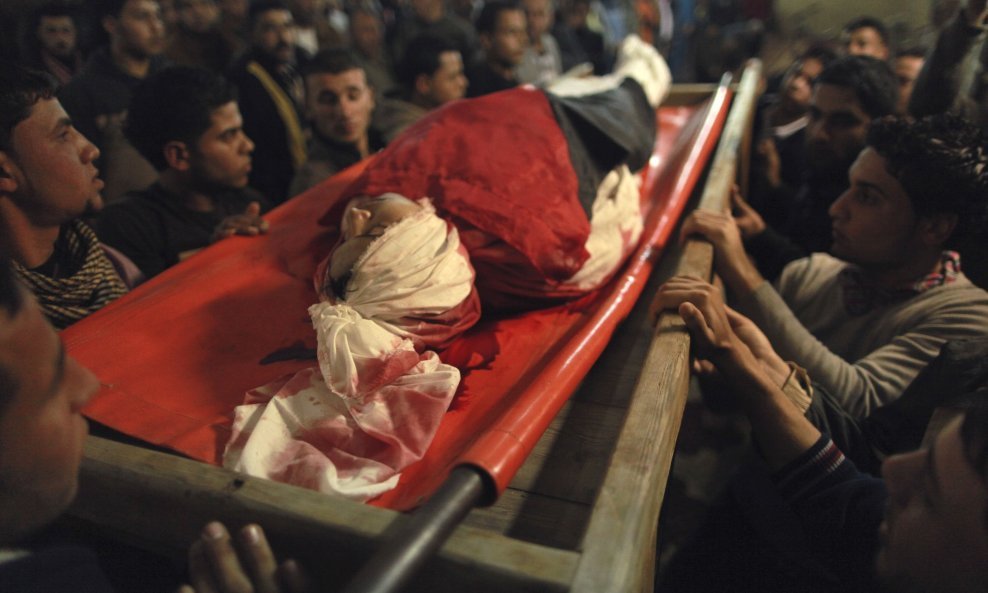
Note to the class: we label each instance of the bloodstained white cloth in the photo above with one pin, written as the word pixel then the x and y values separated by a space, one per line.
pixel 375 402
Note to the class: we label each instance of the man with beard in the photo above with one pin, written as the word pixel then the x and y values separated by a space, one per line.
pixel 48 180
pixel 431 76
pixel 847 95
pixel 271 97
pixel 186 122
pixel 50 41
pixel 339 103
pixel 503 37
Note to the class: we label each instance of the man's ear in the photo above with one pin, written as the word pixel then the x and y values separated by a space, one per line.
pixel 937 228
pixel 485 41
pixel 177 155
pixel 9 173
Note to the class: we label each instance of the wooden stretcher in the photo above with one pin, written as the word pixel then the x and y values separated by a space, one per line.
pixel 574 502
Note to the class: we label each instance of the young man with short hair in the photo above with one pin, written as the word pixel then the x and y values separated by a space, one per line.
pixel 432 17
pixel 866 36
pixel 339 103
pixel 431 76
pixel 847 96
pixel 98 96
pixel 50 41
pixel 865 320
pixel 48 181
pixel 503 37
pixel 186 122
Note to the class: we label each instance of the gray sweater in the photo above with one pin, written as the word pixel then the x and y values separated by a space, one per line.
pixel 865 360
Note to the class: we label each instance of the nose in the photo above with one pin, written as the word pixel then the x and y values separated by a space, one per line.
pixel 89 152
pixel 248 144
pixel 357 221
pixel 902 475
pixel 838 210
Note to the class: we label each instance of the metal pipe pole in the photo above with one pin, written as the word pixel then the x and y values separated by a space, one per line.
pixel 401 557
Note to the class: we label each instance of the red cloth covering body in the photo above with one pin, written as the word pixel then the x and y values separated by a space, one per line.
pixel 509 176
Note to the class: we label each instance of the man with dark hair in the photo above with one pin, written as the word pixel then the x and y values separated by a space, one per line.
pixel 503 37
pixel 825 526
pixel 907 65
pixel 272 95
pixel 339 103
pixel 866 319
pixel 781 153
pixel 97 98
pixel 847 96
pixel 197 39
pixel 431 16
pixel 185 121
pixel 42 393
pixel 50 41
pixel 367 44
pixel 431 75
pixel 48 180
pixel 866 36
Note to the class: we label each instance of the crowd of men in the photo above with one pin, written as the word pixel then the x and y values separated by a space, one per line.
pixel 853 266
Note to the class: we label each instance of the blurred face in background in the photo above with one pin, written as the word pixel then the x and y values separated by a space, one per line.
pixel 446 84
pixel 505 45
pixel 138 30
pixel 837 131
pixel 906 70
pixel 197 16
pixel 797 85
pixel 274 34
pixel 57 35
pixel 366 33
pixel 865 41
pixel 539 16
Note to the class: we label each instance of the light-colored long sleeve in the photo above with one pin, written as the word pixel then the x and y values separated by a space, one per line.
pixel 865 360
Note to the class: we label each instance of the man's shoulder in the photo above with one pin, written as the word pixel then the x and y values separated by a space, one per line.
pixel 816 266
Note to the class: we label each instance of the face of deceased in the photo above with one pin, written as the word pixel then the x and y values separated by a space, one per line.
pixel 364 220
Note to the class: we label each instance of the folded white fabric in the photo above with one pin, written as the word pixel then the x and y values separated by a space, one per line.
pixel 374 404
pixel 615 228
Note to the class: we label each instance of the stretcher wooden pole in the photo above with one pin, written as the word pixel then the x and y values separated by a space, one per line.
pixel 624 522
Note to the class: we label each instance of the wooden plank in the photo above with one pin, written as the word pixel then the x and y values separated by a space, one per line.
pixel 125 490
pixel 689 94
pixel 570 460
pixel 534 518
pixel 619 545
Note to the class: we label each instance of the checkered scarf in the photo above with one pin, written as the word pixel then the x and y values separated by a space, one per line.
pixel 861 297
pixel 85 282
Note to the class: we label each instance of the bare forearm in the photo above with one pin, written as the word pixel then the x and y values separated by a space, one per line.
pixel 781 429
